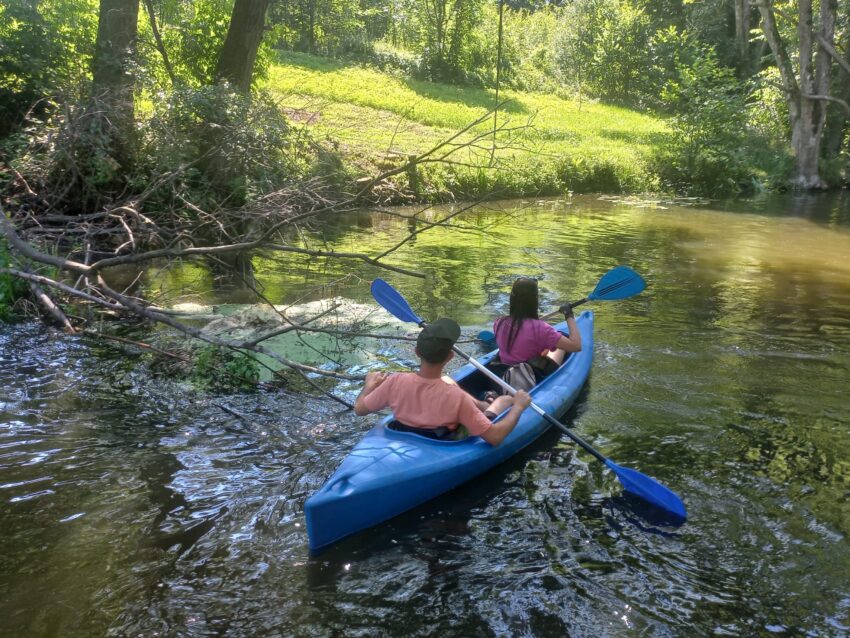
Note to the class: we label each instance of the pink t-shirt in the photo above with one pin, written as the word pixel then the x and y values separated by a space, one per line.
pixel 427 403
pixel 534 336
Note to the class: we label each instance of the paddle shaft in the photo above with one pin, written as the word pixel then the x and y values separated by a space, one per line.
pixel 510 389
pixel 543 318
pixel 558 311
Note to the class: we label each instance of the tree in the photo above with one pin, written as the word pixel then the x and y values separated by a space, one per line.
pixel 838 117
pixel 807 89
pixel 239 52
pixel 448 25
pixel 113 79
pixel 742 35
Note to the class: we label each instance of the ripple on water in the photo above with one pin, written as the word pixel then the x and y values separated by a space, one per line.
pixel 142 508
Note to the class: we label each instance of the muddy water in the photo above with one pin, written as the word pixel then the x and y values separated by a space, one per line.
pixel 131 506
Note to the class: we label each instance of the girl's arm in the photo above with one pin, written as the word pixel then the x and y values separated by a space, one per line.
pixel 571 343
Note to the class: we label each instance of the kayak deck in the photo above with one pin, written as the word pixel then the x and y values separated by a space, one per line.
pixel 389 472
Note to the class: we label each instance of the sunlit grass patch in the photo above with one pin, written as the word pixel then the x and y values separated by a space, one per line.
pixel 568 145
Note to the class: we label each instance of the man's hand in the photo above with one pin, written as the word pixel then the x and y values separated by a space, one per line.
pixel 374 379
pixel 501 428
pixel 522 399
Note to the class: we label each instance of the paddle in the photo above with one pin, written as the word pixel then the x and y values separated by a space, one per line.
pixel 618 283
pixel 640 485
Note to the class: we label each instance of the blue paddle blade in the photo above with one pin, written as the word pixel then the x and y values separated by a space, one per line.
pixel 649 490
pixel 486 336
pixel 393 302
pixel 618 283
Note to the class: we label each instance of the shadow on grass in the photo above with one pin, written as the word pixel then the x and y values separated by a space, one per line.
pixel 653 138
pixel 313 62
pixel 472 97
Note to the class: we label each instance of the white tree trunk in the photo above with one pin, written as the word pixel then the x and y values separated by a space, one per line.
pixel 807 92
pixel 806 144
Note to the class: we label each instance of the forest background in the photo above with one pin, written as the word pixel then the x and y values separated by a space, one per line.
pixel 736 92
pixel 134 130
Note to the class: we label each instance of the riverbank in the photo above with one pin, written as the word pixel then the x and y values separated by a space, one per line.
pixel 553 145
pixel 549 145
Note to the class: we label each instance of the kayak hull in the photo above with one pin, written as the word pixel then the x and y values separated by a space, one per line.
pixel 389 472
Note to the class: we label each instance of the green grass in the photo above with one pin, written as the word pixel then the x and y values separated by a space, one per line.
pixel 563 145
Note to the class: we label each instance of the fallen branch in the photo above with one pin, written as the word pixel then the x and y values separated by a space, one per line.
pixel 51 307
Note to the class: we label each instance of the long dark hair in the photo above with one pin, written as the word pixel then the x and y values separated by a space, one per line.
pixel 523 305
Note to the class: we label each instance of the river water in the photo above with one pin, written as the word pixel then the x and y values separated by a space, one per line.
pixel 133 506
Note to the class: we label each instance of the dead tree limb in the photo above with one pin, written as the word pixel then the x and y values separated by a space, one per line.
pixel 90 244
pixel 51 307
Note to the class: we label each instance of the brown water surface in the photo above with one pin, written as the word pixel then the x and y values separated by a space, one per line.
pixel 131 506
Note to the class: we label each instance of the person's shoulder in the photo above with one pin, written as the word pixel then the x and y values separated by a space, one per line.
pixel 541 325
pixel 402 378
pixel 459 394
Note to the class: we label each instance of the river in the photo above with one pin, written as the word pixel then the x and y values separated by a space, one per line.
pixel 133 506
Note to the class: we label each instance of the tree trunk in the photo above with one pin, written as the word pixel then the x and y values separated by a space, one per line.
pixel 837 120
pixel 806 151
pixel 806 96
pixel 239 52
pixel 113 81
pixel 742 37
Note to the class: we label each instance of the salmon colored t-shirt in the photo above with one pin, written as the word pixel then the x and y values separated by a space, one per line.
pixel 427 403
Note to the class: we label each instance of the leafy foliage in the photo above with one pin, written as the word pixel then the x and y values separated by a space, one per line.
pixel 192 34
pixel 710 134
pixel 221 369
pixel 235 146
pixel 11 288
pixel 44 47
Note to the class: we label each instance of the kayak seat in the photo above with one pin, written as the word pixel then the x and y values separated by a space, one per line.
pixel 437 435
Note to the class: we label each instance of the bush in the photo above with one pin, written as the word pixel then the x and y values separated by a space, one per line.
pixel 218 369
pixel 43 47
pixel 237 148
pixel 708 153
pixel 11 288
pixel 223 147
pixel 70 156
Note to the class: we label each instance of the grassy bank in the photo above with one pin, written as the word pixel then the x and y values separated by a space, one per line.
pixel 376 117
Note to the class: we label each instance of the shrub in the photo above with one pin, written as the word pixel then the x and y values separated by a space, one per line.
pixel 707 154
pixel 237 148
pixel 43 47
pixel 218 368
pixel 11 288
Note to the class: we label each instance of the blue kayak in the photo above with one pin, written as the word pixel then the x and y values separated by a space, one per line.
pixel 390 472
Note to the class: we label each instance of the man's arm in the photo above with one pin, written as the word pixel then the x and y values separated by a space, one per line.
pixel 373 380
pixel 497 432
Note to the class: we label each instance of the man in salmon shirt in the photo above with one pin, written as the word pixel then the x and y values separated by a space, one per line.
pixel 428 403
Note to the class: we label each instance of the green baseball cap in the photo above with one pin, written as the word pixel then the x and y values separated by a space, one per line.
pixel 436 339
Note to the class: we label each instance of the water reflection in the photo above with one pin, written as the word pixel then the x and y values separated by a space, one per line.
pixel 131 507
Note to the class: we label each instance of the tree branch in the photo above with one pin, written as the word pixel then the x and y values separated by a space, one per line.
pixel 829 98
pixel 158 40
pixel 829 48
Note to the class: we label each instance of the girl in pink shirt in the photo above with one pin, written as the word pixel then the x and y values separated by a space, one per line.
pixel 523 337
